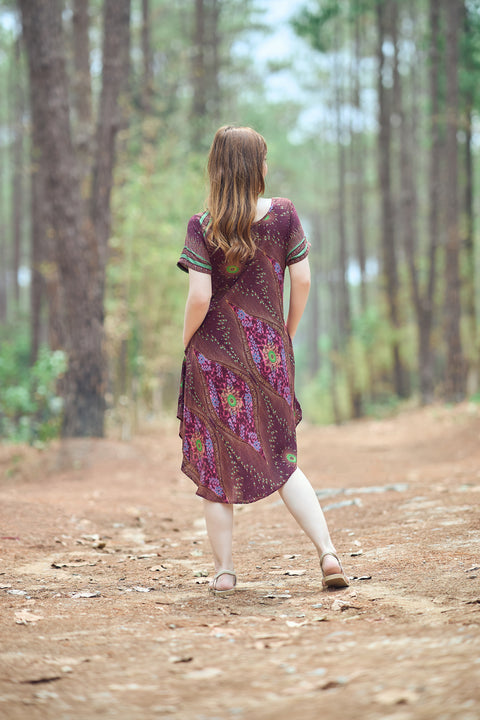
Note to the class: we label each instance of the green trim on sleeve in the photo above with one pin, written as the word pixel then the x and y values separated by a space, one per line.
pixel 294 248
pixel 200 257
pixel 302 252
pixel 196 262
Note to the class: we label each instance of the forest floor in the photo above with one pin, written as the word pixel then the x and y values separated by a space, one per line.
pixel 105 611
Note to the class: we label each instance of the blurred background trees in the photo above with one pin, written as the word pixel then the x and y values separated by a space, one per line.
pixel 370 111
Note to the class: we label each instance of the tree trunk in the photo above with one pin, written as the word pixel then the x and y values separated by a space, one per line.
pixel 422 301
pixel 82 93
pixel 390 271
pixel 425 311
pixel 334 352
pixel 37 254
pixel 408 206
pixel 468 210
pixel 199 106
pixel 3 246
pixel 3 273
pixel 18 201
pixel 455 369
pixel 80 253
pixel 205 69
pixel 344 295
pixel 45 282
pixel 358 160
pixel 147 77
pixel 314 301
pixel 110 120
pixel 213 67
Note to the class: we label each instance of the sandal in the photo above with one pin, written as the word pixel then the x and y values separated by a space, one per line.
pixel 337 580
pixel 213 584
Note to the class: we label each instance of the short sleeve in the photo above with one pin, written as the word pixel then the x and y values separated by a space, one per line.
pixel 298 246
pixel 195 253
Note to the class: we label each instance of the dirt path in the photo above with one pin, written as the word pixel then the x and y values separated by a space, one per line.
pixel 104 609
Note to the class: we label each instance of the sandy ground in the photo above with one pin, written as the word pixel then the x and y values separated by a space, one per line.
pixel 105 612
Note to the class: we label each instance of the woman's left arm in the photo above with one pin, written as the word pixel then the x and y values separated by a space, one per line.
pixel 299 288
pixel 198 302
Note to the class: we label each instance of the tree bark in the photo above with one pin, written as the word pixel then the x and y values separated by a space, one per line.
pixel 422 299
pixel 37 255
pixel 80 248
pixel 213 66
pixel 469 223
pixel 147 78
pixel 334 356
pixel 455 367
pixel 314 300
pixel 3 246
pixel 199 105
pixel 18 200
pixel 110 120
pixel 358 159
pixel 3 273
pixel 426 304
pixel 389 259
pixel 205 69
pixel 82 93
pixel 45 282
pixel 344 295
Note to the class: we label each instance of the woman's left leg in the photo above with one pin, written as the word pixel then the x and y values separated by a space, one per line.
pixel 302 502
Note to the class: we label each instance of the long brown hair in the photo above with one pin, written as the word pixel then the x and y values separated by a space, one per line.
pixel 236 174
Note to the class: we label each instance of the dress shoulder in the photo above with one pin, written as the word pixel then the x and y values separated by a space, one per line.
pixel 297 245
pixel 195 254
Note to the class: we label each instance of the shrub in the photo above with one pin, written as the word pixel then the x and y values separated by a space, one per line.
pixel 30 408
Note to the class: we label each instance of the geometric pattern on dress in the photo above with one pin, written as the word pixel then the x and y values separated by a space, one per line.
pixel 232 400
pixel 198 449
pixel 268 352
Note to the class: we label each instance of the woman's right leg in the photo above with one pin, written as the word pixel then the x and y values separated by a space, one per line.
pixel 219 521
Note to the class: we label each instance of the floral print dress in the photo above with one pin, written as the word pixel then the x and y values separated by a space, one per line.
pixel 237 407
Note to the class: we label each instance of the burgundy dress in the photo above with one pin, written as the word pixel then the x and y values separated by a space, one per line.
pixel 237 406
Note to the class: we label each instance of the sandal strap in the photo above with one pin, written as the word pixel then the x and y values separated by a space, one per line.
pixel 329 552
pixel 224 572
pixel 336 558
pixel 336 579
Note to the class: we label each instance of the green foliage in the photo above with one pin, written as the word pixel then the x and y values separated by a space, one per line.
pixel 383 407
pixel 363 368
pixel 156 194
pixel 316 398
pixel 313 24
pixel 470 53
pixel 30 409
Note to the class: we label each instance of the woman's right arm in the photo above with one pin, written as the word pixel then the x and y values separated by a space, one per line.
pixel 299 288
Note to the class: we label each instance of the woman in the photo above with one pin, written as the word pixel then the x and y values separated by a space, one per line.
pixel 237 405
